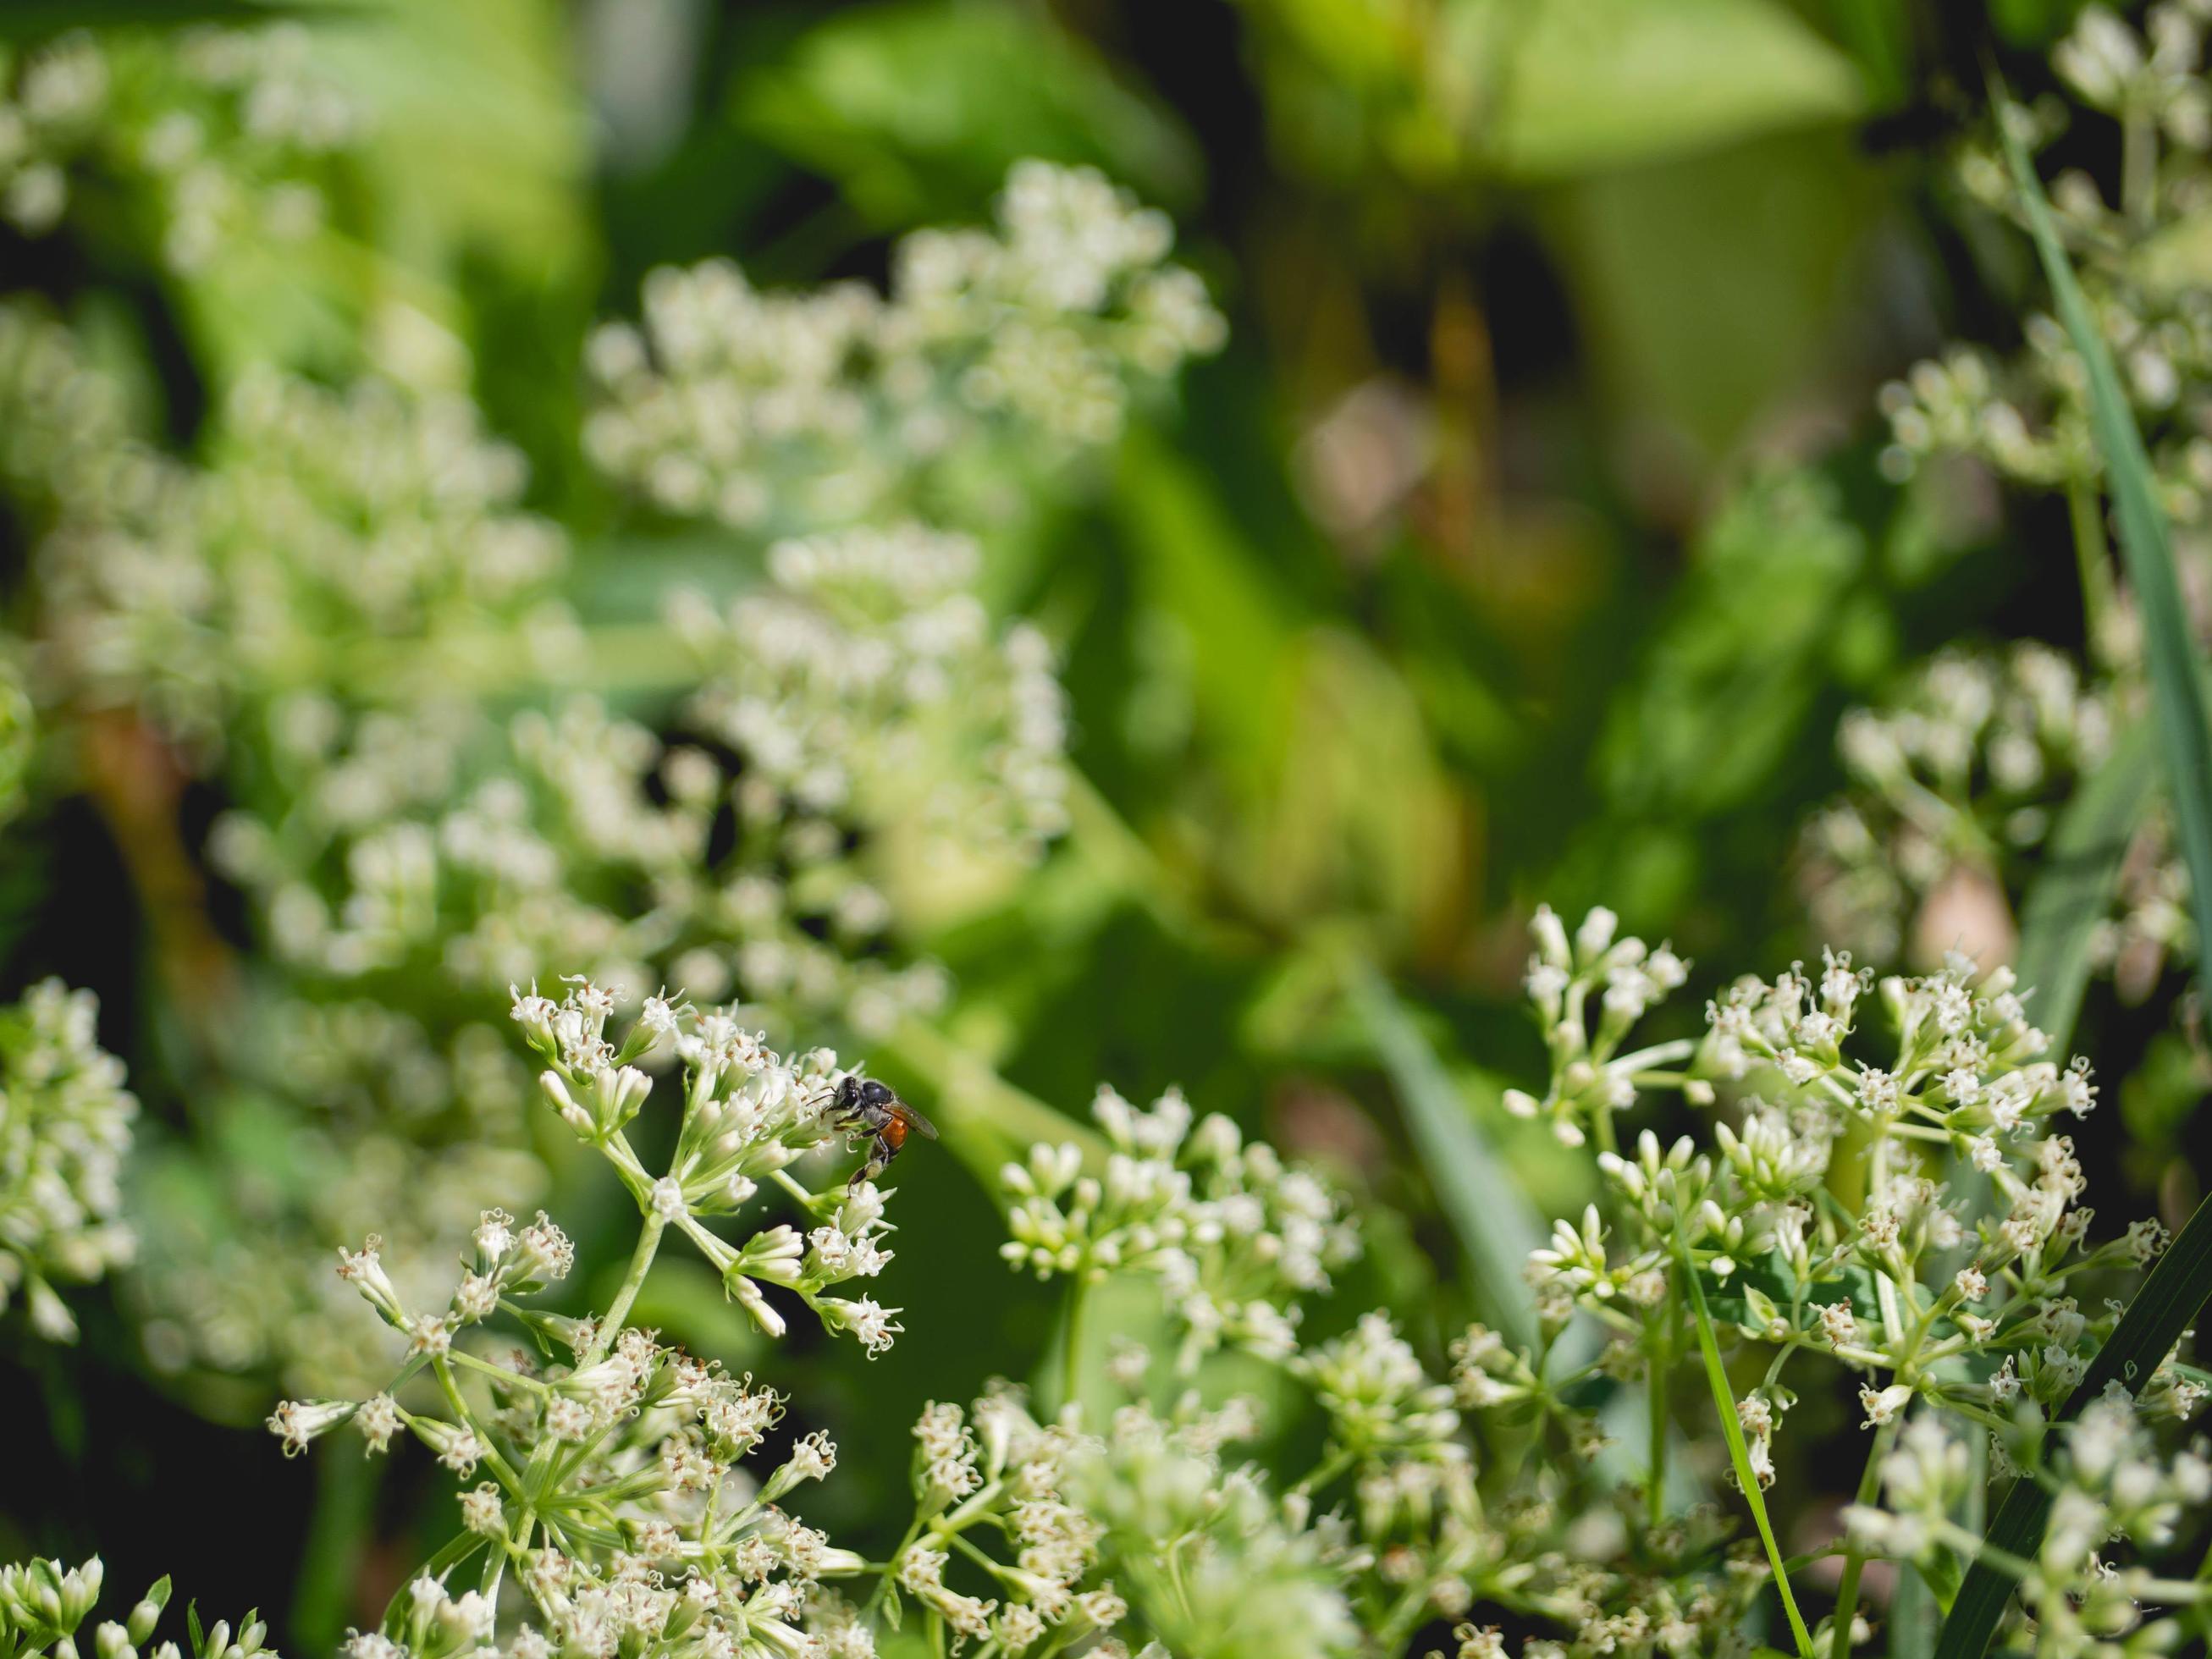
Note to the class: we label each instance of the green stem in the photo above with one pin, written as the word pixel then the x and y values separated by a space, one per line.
pixel 1660 1359
pixel 345 1494
pixel 640 1263
pixel 1847 1587
pixel 2094 558
pixel 1325 1471
pixel 1071 1340
pixel 2138 164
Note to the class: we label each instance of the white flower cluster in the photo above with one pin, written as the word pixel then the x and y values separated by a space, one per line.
pixel 326 530
pixel 995 1475
pixel 1380 1401
pixel 772 411
pixel 2028 419
pixel 1591 1079
pixel 1210 1560
pixel 1956 787
pixel 62 418
pixel 2114 1489
pixel 860 700
pixel 748 1115
pixel 1233 1235
pixel 617 1499
pixel 43 1604
pixel 1973 1303
pixel 64 1127
pixel 215 134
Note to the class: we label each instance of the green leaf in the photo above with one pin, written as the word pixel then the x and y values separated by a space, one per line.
pixel 1495 1224
pixel 2074 890
pixel 916 110
pixel 2180 1284
pixel 35 20
pixel 1732 1431
pixel 1584 84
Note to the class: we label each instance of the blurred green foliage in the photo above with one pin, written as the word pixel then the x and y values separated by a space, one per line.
pixel 1525 544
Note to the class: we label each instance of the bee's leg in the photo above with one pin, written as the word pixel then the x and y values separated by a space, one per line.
pixel 879 1158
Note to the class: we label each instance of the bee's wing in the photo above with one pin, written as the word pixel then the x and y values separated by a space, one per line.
pixel 911 1119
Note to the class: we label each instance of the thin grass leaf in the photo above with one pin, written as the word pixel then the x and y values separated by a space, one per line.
pixel 2074 892
pixel 2178 1287
pixel 2176 694
pixel 1732 1431
pixel 1496 1223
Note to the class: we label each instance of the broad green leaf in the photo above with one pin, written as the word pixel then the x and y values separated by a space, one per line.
pixel 1580 85
pixel 1709 282
pixel 916 109
pixel 2178 1287
pixel 2074 890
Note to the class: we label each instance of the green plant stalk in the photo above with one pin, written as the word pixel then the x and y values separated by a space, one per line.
pixel 1732 1431
pixel 1070 1339
pixel 1847 1586
pixel 2094 557
pixel 1666 1333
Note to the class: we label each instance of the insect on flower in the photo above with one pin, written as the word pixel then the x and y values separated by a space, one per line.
pixel 863 1106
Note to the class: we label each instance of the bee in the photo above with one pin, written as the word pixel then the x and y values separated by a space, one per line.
pixel 863 1106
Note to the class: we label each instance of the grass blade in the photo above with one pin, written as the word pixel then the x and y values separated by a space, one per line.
pixel 1496 1223
pixel 2072 892
pixel 2180 1284
pixel 1732 1431
pixel 2177 694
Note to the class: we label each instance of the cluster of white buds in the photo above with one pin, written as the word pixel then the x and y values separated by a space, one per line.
pixel 66 422
pixel 748 1115
pixel 1548 1561
pixel 878 638
pixel 996 1475
pixel 774 411
pixel 324 525
pixel 1956 786
pixel 1381 1404
pixel 2113 1487
pixel 215 134
pixel 1591 1079
pixel 1233 1235
pixel 1208 1560
pixel 1970 1304
pixel 875 719
pixel 2028 419
pixel 43 1604
pixel 64 1126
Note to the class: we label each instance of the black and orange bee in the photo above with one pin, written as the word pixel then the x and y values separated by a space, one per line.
pixel 863 1106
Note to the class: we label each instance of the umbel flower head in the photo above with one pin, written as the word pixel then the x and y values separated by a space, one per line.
pixel 64 1127
pixel 775 412
pixel 1233 1235
pixel 215 137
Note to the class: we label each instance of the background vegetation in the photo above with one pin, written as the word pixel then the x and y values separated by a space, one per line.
pixel 1527 541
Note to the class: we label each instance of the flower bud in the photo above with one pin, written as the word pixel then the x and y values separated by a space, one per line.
pixel 143 1617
